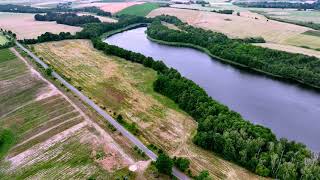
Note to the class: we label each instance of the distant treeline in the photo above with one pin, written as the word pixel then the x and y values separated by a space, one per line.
pixel 224 11
pixel 302 68
pixel 29 9
pixel 265 4
pixel 220 129
pixel 71 19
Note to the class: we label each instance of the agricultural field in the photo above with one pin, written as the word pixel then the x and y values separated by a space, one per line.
pixel 140 9
pixel 290 14
pixel 248 24
pixel 25 26
pixel 125 88
pixel 46 135
pixel 112 7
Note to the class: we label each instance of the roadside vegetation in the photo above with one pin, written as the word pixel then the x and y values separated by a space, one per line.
pixel 139 9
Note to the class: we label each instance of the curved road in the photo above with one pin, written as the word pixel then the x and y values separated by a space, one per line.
pixel 118 126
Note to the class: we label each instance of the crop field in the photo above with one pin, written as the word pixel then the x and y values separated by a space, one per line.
pixel 125 88
pixel 292 49
pixel 246 25
pixel 25 26
pixel 45 135
pixel 112 7
pixel 290 14
pixel 140 9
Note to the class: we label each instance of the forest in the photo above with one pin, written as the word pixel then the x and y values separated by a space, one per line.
pixel 71 19
pixel 298 67
pixel 220 129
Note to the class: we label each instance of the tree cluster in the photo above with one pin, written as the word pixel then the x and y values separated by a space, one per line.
pixel 224 11
pixel 46 37
pixel 302 68
pixel 22 9
pixel 71 19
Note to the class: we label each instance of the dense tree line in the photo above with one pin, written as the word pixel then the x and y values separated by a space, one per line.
pixel 302 68
pixel 224 11
pixel 71 19
pixel 289 5
pixel 47 37
pixel 29 9
pixel 225 131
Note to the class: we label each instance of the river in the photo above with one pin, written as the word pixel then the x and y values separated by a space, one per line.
pixel 290 111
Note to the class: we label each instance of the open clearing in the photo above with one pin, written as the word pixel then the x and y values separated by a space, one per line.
pixel 3 39
pixel 53 137
pixel 244 26
pixel 113 7
pixel 139 9
pixel 126 88
pixel 25 26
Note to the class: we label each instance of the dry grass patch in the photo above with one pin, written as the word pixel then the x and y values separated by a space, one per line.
pixel 126 88
pixel 292 49
pixel 25 26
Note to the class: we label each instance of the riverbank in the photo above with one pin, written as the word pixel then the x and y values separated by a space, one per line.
pixel 205 50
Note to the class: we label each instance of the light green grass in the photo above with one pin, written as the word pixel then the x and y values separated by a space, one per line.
pixel 3 39
pixel 139 9
pixel 6 55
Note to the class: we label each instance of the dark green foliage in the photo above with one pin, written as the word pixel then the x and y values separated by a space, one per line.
pixel 48 71
pixel 6 55
pixel 298 67
pixel 46 37
pixel 164 164
pixel 132 127
pixel 252 40
pixel 71 19
pixel 204 175
pixel 224 11
pixel 6 141
pixel 181 163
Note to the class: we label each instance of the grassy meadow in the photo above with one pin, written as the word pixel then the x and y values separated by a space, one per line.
pixel 139 9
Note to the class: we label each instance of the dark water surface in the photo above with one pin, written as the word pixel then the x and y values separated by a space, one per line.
pixel 290 111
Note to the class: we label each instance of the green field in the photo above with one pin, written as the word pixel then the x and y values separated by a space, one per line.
pixel 139 9
pixel 3 39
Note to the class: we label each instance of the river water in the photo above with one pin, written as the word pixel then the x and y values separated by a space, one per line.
pixel 290 111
